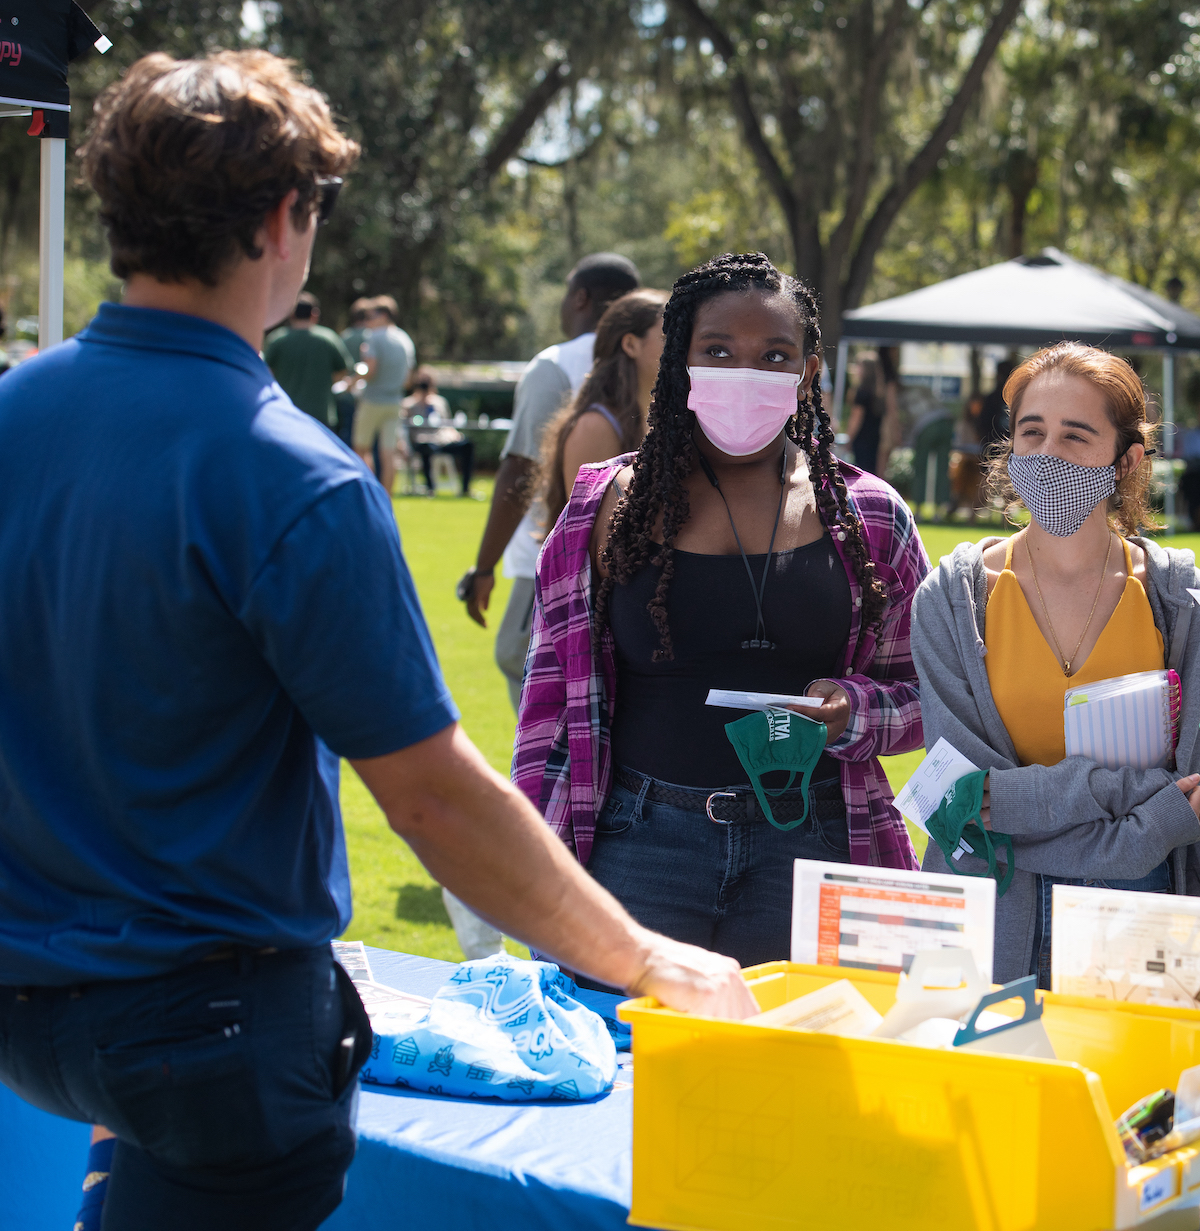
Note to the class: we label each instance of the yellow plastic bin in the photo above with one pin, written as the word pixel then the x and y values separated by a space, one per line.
pixel 739 1127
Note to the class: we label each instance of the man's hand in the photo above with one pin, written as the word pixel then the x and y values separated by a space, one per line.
pixel 834 711
pixel 475 589
pixel 482 839
pixel 693 980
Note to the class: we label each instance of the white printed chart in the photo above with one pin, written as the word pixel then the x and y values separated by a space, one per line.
pixel 866 928
pixel 880 918
pixel 1143 948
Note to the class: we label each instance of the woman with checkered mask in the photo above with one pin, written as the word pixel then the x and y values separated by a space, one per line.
pixel 1002 628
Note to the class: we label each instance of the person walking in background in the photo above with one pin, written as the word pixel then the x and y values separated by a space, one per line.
pixel 865 423
pixel 993 417
pixel 874 422
pixel 551 377
pixel 307 360
pixel 608 415
pixel 967 475
pixel 388 353
pixel 356 332
pixel 891 431
pixel 429 432
pixel 513 529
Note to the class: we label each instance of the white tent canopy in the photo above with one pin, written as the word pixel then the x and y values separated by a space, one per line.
pixel 1030 301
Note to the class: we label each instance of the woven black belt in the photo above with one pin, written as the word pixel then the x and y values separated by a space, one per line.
pixel 737 807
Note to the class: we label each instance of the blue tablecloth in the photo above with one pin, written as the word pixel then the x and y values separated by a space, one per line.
pixel 423 1160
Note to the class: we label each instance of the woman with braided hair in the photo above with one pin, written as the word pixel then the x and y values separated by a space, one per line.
pixel 733 551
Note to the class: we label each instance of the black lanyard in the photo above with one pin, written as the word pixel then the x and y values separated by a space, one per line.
pixel 758 589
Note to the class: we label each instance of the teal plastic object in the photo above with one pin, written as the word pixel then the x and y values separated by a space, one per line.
pixel 1024 988
pixel 957 821
pixel 778 740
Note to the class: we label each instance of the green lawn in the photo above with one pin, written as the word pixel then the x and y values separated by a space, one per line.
pixel 396 903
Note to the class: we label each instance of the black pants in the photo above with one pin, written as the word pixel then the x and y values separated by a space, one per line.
pixel 463 453
pixel 1189 489
pixel 345 417
pixel 226 1083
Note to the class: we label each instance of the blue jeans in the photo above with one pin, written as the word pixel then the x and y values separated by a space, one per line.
pixel 225 1081
pixel 1158 881
pixel 725 887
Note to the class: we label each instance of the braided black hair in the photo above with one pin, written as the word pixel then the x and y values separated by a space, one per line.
pixel 666 456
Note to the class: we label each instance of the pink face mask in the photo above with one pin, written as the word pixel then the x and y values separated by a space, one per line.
pixel 741 410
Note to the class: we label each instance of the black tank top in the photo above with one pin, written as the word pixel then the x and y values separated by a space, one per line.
pixel 662 727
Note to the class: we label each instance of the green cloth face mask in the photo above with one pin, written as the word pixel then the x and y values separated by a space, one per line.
pixel 957 822
pixel 777 739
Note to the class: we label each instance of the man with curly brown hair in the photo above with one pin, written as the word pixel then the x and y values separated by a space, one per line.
pixel 188 649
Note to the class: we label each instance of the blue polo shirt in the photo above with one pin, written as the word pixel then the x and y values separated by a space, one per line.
pixel 202 593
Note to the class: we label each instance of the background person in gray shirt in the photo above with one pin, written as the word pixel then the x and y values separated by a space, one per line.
pixel 389 353
pixel 513 528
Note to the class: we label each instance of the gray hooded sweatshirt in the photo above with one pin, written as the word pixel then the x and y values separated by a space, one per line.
pixel 1072 819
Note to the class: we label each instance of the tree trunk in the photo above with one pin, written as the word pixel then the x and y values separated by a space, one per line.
pixel 1022 178
pixel 923 163
pixel 1016 222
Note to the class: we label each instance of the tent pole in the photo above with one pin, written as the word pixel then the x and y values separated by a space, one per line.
pixel 1168 436
pixel 839 383
pixel 52 239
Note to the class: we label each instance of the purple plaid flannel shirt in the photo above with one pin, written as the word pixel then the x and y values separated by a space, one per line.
pixel 562 758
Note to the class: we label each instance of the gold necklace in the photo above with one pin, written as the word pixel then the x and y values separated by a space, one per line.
pixel 1066 662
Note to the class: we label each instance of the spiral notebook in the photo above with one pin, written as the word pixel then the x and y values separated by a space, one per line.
pixel 1131 720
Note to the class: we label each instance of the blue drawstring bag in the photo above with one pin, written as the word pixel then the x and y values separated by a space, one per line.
pixel 500 1028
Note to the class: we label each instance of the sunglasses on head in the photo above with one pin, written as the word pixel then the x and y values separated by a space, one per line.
pixel 328 187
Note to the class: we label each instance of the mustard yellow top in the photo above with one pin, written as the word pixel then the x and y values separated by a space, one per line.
pixel 1027 680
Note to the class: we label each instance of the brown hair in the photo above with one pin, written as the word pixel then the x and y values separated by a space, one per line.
pixel 869 373
pixel 385 303
pixel 612 382
pixel 359 310
pixel 189 156
pixel 1125 400
pixel 423 373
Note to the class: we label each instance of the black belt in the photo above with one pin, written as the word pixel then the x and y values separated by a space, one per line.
pixel 230 953
pixel 740 806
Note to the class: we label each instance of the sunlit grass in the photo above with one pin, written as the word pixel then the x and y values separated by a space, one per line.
pixel 397 904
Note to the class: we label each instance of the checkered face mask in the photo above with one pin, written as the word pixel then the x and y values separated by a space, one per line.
pixel 1060 495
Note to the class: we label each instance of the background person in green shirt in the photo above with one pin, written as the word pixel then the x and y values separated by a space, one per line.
pixel 306 359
